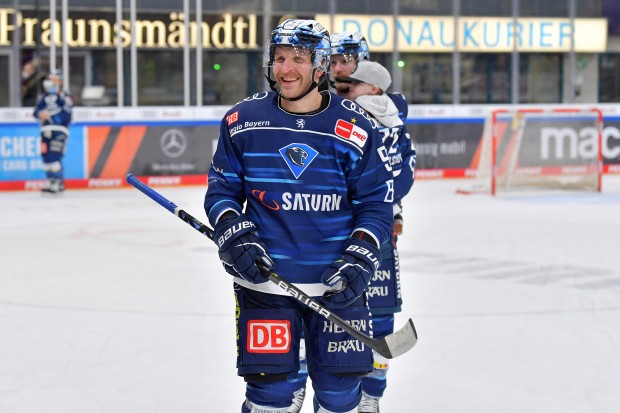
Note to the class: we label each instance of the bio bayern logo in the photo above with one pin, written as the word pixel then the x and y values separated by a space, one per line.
pixel 269 336
pixel 173 143
pixel 298 156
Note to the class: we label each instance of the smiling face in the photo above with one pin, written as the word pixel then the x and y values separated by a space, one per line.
pixel 292 70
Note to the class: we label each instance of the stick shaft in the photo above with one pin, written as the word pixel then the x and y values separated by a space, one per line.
pixel 381 346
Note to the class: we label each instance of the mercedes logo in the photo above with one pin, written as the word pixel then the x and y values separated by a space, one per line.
pixel 173 143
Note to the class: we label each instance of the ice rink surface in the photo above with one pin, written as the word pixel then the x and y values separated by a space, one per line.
pixel 109 303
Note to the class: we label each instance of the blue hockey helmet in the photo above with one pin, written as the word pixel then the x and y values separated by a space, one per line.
pixel 352 45
pixel 55 73
pixel 53 81
pixel 304 35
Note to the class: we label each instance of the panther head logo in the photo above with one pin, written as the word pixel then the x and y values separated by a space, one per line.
pixel 297 155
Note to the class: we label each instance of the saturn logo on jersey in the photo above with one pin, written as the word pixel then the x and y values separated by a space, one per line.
pixel 260 195
pixel 298 157
pixel 299 201
pixel 269 336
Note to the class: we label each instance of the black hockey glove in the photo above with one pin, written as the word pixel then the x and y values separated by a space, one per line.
pixel 349 276
pixel 239 248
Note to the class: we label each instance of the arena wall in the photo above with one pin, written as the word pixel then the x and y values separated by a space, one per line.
pixel 174 145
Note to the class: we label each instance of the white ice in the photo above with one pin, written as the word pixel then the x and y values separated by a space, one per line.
pixel 109 303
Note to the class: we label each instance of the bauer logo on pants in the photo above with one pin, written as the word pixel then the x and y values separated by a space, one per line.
pixel 269 336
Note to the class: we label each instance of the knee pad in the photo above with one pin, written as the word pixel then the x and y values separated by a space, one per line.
pixel 55 166
pixel 344 392
pixel 274 394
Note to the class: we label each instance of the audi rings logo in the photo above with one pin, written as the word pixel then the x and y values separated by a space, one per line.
pixel 173 143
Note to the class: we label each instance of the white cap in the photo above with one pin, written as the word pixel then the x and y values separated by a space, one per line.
pixel 372 73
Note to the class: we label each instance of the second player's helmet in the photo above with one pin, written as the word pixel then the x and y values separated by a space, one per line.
pixel 352 45
pixel 55 73
pixel 49 84
pixel 303 34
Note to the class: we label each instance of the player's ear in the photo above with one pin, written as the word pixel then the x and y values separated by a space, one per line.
pixel 318 74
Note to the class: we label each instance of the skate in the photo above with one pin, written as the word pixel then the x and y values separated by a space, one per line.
pixel 368 404
pixel 298 401
pixel 54 186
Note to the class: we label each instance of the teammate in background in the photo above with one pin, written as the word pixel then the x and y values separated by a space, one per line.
pixel 318 194
pixel 367 86
pixel 54 111
pixel 349 50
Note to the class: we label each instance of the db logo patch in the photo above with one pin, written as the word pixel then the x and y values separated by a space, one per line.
pixel 269 336
pixel 351 132
pixel 232 118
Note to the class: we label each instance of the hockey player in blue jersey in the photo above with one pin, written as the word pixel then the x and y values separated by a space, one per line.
pixel 54 110
pixel 300 182
pixel 367 86
pixel 349 50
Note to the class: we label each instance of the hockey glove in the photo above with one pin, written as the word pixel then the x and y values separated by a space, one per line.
pixel 240 247
pixel 349 276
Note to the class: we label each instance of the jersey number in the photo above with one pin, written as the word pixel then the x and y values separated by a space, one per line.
pixel 383 154
pixel 389 196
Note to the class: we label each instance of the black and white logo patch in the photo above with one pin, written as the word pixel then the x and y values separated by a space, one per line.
pixel 298 156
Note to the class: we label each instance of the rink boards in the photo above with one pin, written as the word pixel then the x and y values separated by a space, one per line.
pixel 174 146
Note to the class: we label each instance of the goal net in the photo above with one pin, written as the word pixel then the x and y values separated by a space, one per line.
pixel 533 149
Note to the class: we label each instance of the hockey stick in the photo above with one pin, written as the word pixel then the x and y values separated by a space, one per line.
pixel 390 346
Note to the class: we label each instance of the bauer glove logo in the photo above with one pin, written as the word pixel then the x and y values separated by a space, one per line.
pixel 365 252
pixel 233 230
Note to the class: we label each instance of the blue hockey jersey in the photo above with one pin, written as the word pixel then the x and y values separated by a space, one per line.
pixel 401 104
pixel 307 182
pixel 400 149
pixel 59 107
